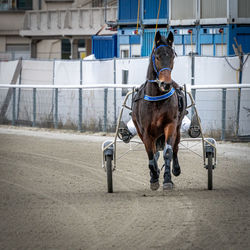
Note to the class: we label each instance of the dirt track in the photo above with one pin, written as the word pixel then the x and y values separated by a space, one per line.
pixel 53 196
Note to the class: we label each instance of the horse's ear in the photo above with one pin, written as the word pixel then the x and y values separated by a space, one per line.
pixel 170 38
pixel 157 38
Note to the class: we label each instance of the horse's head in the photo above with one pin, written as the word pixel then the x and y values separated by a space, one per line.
pixel 163 57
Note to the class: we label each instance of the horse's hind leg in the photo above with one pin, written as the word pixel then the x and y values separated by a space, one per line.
pixel 153 166
pixel 176 170
pixel 170 135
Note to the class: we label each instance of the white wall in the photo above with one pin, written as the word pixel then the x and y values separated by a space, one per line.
pixel 208 70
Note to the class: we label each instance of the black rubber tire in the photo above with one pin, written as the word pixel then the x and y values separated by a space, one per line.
pixel 109 173
pixel 210 172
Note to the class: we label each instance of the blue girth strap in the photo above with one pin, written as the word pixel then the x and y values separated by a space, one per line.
pixel 160 97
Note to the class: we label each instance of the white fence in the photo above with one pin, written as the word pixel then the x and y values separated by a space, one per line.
pixel 100 107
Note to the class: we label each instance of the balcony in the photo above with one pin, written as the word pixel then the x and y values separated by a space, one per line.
pixel 70 22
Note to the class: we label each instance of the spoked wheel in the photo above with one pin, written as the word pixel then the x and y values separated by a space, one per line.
pixel 210 171
pixel 109 173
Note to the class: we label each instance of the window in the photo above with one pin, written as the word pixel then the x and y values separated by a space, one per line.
pixel 15 4
pixel 66 49
pixel 4 5
pixel 18 50
pixel 97 3
pixel 81 48
pixel 24 4
pixel 124 53
pixel 135 50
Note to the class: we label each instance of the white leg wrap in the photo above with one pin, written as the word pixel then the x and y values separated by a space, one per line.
pixel 131 127
pixel 185 125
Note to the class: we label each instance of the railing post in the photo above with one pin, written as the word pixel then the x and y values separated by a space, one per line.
pixel 223 115
pixel 56 109
pixel 241 58
pixel 19 95
pixel 34 108
pixel 80 111
pixel 80 101
pixel 238 112
pixel 54 96
pixel 115 118
pixel 105 109
pixel 13 107
pixel 193 91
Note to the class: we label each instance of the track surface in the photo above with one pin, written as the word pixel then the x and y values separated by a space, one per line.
pixel 53 196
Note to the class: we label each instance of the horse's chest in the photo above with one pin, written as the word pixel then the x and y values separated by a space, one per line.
pixel 162 116
pixel 159 122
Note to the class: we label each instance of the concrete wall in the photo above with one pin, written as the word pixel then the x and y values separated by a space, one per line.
pixel 2 43
pixel 11 22
pixel 53 5
pixel 17 40
pixel 14 23
pixel 49 49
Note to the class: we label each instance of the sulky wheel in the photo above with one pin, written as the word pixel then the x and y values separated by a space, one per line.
pixel 109 173
pixel 108 153
pixel 210 171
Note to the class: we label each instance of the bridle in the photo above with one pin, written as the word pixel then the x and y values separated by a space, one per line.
pixel 153 61
pixel 160 83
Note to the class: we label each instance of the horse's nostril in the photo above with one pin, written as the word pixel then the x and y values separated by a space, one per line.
pixel 164 85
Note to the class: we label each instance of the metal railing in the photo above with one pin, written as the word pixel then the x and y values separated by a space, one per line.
pixel 223 87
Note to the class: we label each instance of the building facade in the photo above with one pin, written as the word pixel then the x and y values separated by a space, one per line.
pixel 205 27
pixel 52 29
pixel 63 29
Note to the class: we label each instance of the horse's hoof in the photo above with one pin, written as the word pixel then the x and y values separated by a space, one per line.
pixel 176 171
pixel 168 186
pixel 154 186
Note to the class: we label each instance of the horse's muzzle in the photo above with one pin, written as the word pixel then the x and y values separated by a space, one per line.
pixel 164 86
pixel 165 80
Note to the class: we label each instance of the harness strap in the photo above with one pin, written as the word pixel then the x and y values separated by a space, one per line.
pixel 163 45
pixel 160 97
pixel 164 69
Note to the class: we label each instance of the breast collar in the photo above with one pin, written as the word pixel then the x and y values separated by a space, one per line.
pixel 160 97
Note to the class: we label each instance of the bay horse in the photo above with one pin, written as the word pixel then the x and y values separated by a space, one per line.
pixel 157 116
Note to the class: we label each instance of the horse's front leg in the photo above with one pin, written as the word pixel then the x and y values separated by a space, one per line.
pixel 170 136
pixel 176 170
pixel 153 166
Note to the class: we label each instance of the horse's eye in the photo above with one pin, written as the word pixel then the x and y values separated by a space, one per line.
pixel 158 57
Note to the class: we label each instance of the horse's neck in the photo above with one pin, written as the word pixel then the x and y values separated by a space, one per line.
pixel 151 75
pixel 151 88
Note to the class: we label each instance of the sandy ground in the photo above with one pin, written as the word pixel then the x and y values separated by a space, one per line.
pixel 53 196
